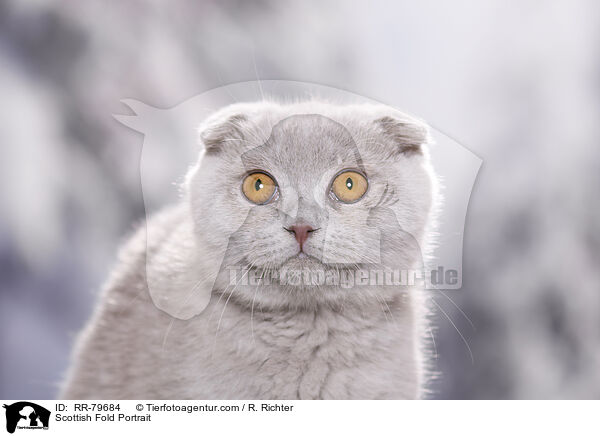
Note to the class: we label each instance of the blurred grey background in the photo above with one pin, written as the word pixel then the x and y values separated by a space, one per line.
pixel 516 83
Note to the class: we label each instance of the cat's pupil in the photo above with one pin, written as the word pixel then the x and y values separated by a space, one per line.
pixel 349 183
pixel 258 185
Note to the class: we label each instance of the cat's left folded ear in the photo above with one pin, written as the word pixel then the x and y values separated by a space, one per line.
pixel 215 133
pixel 230 129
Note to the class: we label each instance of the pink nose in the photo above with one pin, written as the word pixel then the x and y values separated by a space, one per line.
pixel 301 233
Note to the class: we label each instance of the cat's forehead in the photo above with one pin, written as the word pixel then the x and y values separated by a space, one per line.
pixel 305 144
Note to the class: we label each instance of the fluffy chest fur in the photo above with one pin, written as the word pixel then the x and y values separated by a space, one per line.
pixel 310 355
pixel 131 349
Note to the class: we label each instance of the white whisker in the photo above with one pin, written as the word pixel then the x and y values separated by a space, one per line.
pixel 456 328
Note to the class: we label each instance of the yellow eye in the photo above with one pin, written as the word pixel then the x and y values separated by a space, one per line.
pixel 349 186
pixel 259 188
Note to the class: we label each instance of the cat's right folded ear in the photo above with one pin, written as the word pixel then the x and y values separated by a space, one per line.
pixel 407 133
pixel 221 131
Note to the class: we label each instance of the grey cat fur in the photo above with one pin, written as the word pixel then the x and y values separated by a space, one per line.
pixel 161 329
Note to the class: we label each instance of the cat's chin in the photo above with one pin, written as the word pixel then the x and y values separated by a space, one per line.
pixel 302 261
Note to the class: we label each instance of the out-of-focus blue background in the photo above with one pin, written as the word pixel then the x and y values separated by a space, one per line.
pixel 517 83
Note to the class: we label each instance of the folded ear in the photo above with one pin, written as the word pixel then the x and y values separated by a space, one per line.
pixel 221 128
pixel 409 134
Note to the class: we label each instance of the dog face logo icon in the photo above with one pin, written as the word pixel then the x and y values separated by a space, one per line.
pixel 26 415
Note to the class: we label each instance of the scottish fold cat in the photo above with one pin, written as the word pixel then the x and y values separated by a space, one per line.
pixel 275 275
